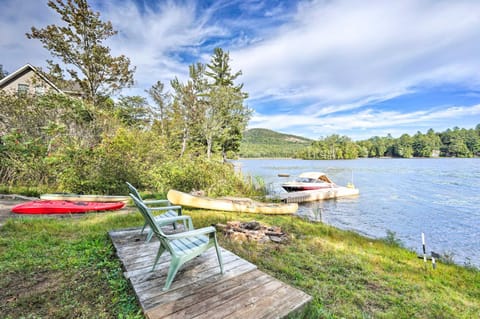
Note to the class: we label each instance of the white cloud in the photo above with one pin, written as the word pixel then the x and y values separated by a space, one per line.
pixel 326 63
pixel 338 51
pixel 356 125
pixel 16 19
pixel 154 38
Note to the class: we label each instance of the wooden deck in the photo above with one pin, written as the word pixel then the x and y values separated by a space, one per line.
pixel 199 290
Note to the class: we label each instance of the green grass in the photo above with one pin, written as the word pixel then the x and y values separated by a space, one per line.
pixel 66 268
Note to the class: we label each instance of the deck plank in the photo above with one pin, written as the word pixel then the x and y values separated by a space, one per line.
pixel 199 289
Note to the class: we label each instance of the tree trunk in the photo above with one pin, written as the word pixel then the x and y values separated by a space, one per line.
pixel 184 141
pixel 209 147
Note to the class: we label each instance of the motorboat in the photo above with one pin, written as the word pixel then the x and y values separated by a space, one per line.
pixel 309 181
pixel 314 186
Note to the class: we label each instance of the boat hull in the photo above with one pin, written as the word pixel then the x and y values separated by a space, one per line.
pixel 86 198
pixel 299 188
pixel 319 194
pixel 243 205
pixel 63 207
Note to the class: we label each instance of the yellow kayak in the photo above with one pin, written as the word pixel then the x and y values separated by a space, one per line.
pixel 231 204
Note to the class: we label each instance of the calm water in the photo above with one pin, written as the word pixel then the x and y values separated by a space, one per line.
pixel 440 197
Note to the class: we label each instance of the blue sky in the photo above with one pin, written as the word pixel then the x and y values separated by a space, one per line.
pixel 312 68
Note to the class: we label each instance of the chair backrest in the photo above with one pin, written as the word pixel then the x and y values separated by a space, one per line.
pixel 134 191
pixel 151 222
pixel 148 216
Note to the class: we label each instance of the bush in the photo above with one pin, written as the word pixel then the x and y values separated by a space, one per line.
pixel 125 156
pixel 215 178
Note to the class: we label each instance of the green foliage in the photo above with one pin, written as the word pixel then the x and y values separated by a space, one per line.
pixel 392 239
pixel 163 108
pixel 215 178
pixel 133 111
pixel 208 110
pixel 61 144
pixel 266 143
pixel 456 143
pixel 125 156
pixel 3 73
pixel 33 129
pixel 78 44
pixel 330 148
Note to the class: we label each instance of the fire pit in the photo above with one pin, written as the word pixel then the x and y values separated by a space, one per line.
pixel 253 231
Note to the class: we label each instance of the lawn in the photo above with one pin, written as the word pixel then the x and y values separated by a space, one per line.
pixel 67 268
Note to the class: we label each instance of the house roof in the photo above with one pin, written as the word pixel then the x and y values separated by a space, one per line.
pixel 21 71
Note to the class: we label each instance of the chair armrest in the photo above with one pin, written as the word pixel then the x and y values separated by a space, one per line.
pixel 165 208
pixel 161 221
pixel 156 201
pixel 196 232
pixel 168 220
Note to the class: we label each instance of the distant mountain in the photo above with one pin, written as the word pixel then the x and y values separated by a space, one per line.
pixel 259 142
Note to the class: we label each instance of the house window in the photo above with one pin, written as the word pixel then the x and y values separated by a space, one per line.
pixel 39 90
pixel 22 89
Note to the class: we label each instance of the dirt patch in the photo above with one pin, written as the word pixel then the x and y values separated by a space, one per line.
pixel 6 204
pixel 55 294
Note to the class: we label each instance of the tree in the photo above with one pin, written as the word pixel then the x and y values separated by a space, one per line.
pixel 3 73
pixel 133 111
pixel 403 146
pixel 189 104
pixel 226 115
pixel 220 70
pixel 163 110
pixel 225 119
pixel 79 45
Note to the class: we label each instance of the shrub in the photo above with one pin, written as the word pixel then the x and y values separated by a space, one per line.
pixel 215 178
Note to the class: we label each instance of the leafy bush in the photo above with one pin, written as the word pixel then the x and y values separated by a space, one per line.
pixel 215 178
pixel 125 156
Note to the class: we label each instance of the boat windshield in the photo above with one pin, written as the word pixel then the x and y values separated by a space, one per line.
pixel 309 180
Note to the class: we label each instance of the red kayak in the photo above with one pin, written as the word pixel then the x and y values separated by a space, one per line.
pixel 63 207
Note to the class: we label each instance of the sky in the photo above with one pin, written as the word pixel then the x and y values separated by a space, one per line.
pixel 311 68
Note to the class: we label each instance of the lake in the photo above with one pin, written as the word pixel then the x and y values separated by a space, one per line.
pixel 439 197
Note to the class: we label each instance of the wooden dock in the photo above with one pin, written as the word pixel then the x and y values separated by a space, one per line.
pixel 199 290
pixel 317 194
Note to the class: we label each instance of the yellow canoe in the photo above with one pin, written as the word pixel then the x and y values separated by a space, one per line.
pixel 231 204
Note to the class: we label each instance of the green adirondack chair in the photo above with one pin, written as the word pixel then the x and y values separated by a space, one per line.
pixel 181 246
pixel 171 211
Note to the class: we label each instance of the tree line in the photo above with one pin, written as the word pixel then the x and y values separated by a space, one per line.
pixel 456 142
pixel 96 143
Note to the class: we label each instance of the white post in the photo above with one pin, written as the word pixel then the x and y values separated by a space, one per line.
pixel 424 250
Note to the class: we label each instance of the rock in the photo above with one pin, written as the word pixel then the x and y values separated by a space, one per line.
pixel 251 225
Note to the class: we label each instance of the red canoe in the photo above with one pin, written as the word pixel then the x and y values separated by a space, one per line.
pixel 63 207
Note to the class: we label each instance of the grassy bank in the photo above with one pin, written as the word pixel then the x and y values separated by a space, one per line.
pixel 66 268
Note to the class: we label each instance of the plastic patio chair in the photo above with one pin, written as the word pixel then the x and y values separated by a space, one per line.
pixel 162 219
pixel 181 246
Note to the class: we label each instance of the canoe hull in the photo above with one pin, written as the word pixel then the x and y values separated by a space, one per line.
pixel 63 207
pixel 86 198
pixel 243 205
